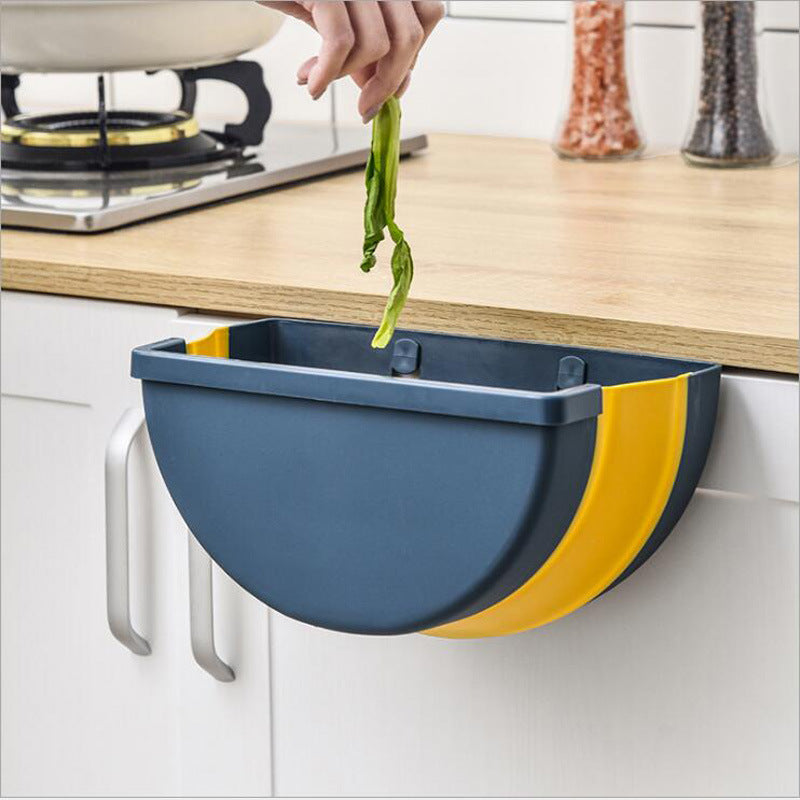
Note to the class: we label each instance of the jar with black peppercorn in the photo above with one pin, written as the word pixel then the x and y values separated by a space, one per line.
pixel 729 127
pixel 599 121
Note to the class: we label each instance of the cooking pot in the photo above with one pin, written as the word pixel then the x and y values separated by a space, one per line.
pixel 117 35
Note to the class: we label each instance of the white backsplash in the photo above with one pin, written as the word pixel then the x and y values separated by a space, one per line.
pixel 493 67
pixel 776 14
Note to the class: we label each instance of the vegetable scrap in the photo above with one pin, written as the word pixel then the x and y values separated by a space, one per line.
pixel 381 180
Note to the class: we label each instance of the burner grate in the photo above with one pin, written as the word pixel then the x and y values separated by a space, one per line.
pixel 89 120
pixel 84 129
pixel 111 140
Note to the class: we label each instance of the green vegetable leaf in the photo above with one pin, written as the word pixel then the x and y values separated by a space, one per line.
pixel 374 219
pixel 381 182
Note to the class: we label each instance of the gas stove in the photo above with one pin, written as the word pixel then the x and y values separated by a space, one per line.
pixel 90 171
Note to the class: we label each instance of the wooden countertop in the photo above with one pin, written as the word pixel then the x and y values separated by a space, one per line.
pixel 651 256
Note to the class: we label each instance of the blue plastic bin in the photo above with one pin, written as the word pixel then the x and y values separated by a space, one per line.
pixel 426 486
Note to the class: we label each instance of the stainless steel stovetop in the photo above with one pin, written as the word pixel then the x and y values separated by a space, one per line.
pixel 90 201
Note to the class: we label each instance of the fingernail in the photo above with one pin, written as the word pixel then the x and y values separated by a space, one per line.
pixel 370 115
pixel 302 81
pixel 318 95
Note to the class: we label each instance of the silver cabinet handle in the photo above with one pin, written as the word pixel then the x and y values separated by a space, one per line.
pixel 117 566
pixel 201 614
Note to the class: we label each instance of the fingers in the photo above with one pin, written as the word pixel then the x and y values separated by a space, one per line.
pixel 372 38
pixel 401 90
pixel 291 8
pixel 429 14
pixel 377 43
pixel 338 38
pixel 365 35
pixel 406 35
pixel 304 70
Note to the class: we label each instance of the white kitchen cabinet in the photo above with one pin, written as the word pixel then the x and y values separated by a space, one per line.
pixel 682 681
pixel 81 714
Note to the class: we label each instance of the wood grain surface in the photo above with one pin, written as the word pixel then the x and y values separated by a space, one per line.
pixel 649 256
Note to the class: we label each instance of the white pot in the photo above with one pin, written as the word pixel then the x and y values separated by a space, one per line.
pixel 116 35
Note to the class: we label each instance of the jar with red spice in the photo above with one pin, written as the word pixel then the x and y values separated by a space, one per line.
pixel 599 121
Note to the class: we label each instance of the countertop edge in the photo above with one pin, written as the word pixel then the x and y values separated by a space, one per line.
pixel 732 349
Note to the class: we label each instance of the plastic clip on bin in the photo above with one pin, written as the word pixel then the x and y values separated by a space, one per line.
pixel 457 486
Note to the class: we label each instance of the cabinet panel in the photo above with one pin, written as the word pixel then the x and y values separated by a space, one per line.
pixel 68 348
pixel 225 727
pixel 754 451
pixel 81 714
pixel 683 681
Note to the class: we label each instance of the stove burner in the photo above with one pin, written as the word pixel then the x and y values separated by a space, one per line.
pixel 70 142
pixel 82 129
pixel 101 140
pixel 76 147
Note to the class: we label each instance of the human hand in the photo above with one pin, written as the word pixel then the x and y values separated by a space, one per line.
pixel 376 43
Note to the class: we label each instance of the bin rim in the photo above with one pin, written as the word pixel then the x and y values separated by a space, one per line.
pixel 166 361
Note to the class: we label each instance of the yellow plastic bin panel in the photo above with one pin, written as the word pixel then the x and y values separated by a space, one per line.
pixel 640 438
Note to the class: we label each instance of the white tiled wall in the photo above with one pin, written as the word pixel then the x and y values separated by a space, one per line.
pixel 510 9
pixel 498 67
pixel 499 77
pixel 492 67
pixel 779 14
pixel 280 59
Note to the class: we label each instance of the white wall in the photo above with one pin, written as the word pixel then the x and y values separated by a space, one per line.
pixel 493 67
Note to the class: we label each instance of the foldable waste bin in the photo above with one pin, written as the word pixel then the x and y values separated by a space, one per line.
pixel 451 485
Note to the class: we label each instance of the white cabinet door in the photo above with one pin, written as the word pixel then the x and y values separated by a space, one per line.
pixel 682 681
pixel 225 727
pixel 81 714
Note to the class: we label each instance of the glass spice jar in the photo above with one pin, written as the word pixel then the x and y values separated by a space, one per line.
pixel 599 121
pixel 729 128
